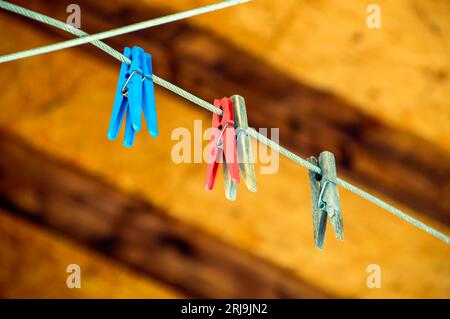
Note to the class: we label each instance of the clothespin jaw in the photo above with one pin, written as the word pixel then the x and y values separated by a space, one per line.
pixel 244 151
pixel 223 144
pixel 325 198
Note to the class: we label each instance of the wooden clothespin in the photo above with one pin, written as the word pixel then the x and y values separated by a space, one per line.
pixel 244 151
pixel 223 144
pixel 325 198
pixel 134 95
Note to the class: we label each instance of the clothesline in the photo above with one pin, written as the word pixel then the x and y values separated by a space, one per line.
pixel 95 40
pixel 86 38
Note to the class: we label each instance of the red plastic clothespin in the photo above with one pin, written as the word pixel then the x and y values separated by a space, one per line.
pixel 223 143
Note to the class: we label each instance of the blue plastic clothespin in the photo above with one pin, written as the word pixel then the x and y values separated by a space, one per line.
pixel 132 90
pixel 134 95
pixel 135 87
pixel 149 105
pixel 120 102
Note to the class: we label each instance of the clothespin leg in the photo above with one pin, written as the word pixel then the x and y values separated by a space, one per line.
pixel 230 186
pixel 319 216
pixel 245 160
pixel 211 172
pixel 214 155
pixel 130 133
pixel 148 104
pixel 116 120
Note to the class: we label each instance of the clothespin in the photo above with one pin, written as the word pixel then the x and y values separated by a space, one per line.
pixel 149 105
pixel 244 151
pixel 120 102
pixel 223 144
pixel 325 198
pixel 133 90
pixel 134 95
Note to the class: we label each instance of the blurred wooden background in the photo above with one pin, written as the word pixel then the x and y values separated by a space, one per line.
pixel 141 226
